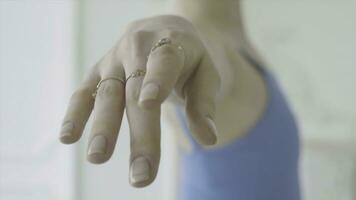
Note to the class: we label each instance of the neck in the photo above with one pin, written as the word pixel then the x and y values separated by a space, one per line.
pixel 220 15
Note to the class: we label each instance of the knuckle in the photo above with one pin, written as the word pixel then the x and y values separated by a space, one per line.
pixel 137 36
pixel 131 26
pixel 141 147
pixel 139 33
pixel 108 89
pixel 82 93
pixel 133 42
pixel 174 33
pixel 166 50
pixel 132 95
pixel 217 82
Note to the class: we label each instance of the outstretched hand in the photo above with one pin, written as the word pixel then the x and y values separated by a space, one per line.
pixel 138 74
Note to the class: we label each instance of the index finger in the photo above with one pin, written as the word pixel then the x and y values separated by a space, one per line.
pixel 79 109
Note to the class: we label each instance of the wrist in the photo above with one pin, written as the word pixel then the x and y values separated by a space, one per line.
pixel 215 20
pixel 223 15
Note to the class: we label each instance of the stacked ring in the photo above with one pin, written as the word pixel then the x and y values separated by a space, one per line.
pixel 165 41
pixel 105 79
pixel 139 72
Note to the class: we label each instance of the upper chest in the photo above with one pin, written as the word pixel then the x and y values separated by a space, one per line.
pixel 245 98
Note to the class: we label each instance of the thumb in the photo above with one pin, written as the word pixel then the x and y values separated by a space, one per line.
pixel 200 96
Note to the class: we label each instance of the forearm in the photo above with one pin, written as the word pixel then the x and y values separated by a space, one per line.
pixel 221 25
pixel 210 15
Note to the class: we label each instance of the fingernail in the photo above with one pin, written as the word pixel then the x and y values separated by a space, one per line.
pixel 67 129
pixel 97 145
pixel 213 131
pixel 140 170
pixel 149 92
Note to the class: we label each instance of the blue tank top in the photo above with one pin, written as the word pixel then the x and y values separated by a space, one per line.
pixel 263 165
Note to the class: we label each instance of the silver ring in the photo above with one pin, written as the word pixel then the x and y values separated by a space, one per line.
pixel 139 72
pixel 105 79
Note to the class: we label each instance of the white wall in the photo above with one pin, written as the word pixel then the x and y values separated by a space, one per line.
pixel 36 55
pixel 311 45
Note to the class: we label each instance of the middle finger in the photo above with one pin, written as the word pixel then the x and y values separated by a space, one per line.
pixel 108 112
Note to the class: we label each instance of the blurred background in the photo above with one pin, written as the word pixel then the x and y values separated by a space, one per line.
pixel 47 45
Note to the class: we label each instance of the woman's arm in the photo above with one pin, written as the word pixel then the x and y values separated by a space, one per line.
pixel 223 16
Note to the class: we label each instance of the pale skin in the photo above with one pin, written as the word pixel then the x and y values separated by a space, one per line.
pixel 218 86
